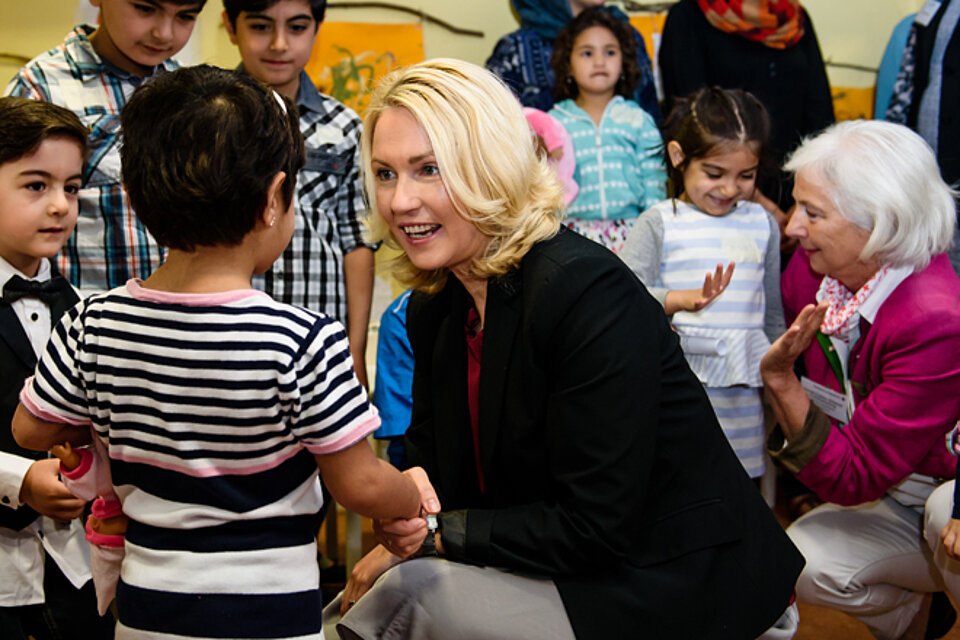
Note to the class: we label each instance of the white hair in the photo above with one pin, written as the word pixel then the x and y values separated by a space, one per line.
pixel 884 178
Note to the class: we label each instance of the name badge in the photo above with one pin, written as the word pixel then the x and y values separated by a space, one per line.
pixel 926 13
pixel 831 402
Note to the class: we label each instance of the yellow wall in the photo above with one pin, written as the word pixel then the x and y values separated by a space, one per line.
pixel 853 31
pixel 856 31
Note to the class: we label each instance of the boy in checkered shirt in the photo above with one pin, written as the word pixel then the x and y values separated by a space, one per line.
pixel 93 73
pixel 326 267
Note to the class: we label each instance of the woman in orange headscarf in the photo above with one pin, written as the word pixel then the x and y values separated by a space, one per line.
pixel 766 47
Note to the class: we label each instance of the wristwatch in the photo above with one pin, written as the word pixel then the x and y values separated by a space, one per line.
pixel 429 546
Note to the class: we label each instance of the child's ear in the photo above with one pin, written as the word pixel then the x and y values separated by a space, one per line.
pixel 275 208
pixel 229 27
pixel 675 153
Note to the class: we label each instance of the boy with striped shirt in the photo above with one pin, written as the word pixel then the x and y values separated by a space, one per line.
pixel 217 404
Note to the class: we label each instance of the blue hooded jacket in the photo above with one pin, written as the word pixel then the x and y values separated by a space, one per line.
pixel 522 58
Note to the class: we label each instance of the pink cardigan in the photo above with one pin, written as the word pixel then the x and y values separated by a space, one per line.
pixel 905 373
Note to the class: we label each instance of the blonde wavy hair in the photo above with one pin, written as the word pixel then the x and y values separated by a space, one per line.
pixel 487 159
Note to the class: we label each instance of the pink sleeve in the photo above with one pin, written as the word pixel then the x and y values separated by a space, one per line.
pixel 555 136
pixel 905 380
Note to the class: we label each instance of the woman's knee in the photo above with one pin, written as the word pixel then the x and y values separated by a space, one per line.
pixel 819 575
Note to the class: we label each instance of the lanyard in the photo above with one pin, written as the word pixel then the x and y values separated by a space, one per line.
pixel 832 358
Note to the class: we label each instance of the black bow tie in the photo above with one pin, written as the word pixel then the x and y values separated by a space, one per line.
pixel 48 292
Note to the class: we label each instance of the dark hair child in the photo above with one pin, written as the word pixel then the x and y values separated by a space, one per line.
pixel 217 405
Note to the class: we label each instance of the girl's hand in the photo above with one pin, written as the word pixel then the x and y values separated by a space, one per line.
pixel 713 286
pixel 950 537
pixel 778 361
pixel 694 300
pixel 402 536
pixel 364 574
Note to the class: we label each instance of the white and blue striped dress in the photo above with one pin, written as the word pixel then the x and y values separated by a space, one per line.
pixel 211 407
pixel 691 245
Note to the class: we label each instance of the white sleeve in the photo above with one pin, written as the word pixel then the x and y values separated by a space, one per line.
pixel 13 468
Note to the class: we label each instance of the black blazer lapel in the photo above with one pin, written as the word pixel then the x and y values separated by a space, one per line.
pixel 501 326
pixel 19 362
pixel 16 338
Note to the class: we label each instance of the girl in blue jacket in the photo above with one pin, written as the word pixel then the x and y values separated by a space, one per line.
pixel 619 154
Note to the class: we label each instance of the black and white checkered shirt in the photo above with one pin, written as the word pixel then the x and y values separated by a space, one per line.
pixel 329 207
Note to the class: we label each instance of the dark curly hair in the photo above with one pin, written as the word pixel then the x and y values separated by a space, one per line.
pixel 200 147
pixel 711 117
pixel 565 87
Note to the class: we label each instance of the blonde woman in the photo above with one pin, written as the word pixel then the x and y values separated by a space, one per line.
pixel 583 485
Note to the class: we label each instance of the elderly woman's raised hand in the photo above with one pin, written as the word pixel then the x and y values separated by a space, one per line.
pixel 778 361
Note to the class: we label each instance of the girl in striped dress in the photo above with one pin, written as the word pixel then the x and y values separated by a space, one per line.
pixel 726 322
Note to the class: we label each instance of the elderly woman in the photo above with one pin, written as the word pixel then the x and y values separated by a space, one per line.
pixel 877 321
pixel 586 487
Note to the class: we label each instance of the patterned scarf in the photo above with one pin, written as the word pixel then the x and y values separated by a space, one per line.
pixel 844 303
pixel 777 24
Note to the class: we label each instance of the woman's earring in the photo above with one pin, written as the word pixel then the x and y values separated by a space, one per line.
pixel 272 221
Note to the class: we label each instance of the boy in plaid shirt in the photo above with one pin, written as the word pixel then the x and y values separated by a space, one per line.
pixel 326 267
pixel 93 74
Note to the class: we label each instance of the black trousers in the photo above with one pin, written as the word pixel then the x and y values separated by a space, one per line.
pixel 68 613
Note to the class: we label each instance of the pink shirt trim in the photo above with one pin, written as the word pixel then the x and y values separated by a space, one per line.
pixel 26 399
pixel 358 433
pixel 355 435
pixel 136 289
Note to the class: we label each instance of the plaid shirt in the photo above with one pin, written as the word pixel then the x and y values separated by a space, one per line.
pixel 109 245
pixel 329 209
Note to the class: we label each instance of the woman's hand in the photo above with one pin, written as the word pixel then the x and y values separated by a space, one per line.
pixel 364 574
pixel 788 399
pixel 694 300
pixel 404 536
pixel 777 364
pixel 950 537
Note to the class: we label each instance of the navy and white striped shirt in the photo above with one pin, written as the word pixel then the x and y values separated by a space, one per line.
pixel 210 406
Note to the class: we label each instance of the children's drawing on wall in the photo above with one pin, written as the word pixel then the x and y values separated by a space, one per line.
pixel 349 58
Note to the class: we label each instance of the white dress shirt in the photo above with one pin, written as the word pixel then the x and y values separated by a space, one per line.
pixel 22 552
